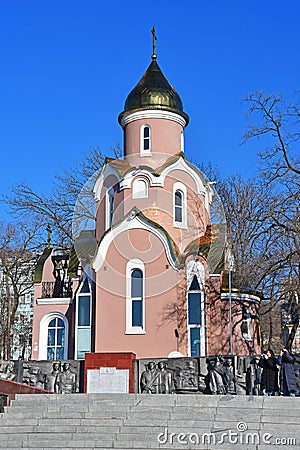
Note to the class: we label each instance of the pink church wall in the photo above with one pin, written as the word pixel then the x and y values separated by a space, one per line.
pixel 219 324
pixel 158 207
pixel 42 310
pixel 160 291
pixel 38 314
pixel 165 286
pixel 165 136
pixel 214 317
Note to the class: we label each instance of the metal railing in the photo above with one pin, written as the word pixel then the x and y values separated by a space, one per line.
pixel 54 289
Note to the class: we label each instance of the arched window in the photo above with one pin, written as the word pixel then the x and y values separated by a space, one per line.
pixel 146 138
pixel 135 300
pixel 140 188
pixel 56 339
pixel 145 149
pixel 179 207
pixel 109 207
pixel 194 317
pixel 53 342
pixel 83 320
pixel 195 309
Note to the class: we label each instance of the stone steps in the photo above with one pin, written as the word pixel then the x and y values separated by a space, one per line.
pixel 136 421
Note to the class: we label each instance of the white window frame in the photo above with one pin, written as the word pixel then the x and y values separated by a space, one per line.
pixel 109 203
pixel 195 268
pixel 144 152
pixel 199 326
pixel 137 193
pixel 182 142
pixel 131 265
pixel 182 188
pixel 43 341
pixel 79 293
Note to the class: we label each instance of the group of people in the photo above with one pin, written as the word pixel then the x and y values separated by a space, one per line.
pixel 156 379
pixel 62 382
pixel 271 383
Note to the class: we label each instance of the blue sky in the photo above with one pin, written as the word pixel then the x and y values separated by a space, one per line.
pixel 68 65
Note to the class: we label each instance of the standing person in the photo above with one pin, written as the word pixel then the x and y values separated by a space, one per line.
pixel 229 376
pixel 66 380
pixel 287 377
pixel 149 379
pixel 164 379
pixel 215 376
pixel 269 376
pixel 51 378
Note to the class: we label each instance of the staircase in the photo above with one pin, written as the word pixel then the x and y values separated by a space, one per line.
pixel 136 421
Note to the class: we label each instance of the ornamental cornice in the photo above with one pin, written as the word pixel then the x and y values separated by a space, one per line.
pixel 152 114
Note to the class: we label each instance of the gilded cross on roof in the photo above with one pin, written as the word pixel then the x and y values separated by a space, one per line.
pixel 154 38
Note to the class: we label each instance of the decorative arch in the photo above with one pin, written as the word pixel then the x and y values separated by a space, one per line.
pixel 196 175
pixel 101 181
pixel 193 268
pixel 131 221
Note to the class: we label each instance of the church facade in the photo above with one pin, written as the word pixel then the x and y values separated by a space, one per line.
pixel 150 278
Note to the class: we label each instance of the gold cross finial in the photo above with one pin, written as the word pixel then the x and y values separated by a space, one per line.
pixel 154 39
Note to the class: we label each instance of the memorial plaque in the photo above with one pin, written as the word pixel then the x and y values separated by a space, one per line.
pixel 93 380
pixel 108 380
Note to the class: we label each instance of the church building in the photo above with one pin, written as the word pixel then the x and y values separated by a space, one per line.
pixel 151 278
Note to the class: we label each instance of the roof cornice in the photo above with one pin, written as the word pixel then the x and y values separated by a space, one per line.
pixel 147 113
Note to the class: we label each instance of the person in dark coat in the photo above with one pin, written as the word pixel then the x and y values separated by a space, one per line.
pixel 269 376
pixel 287 377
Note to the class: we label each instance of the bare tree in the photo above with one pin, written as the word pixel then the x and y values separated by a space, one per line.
pixel 56 209
pixel 275 122
pixel 246 204
pixel 278 122
pixel 17 261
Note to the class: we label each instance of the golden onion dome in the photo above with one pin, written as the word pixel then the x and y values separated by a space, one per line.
pixel 153 91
